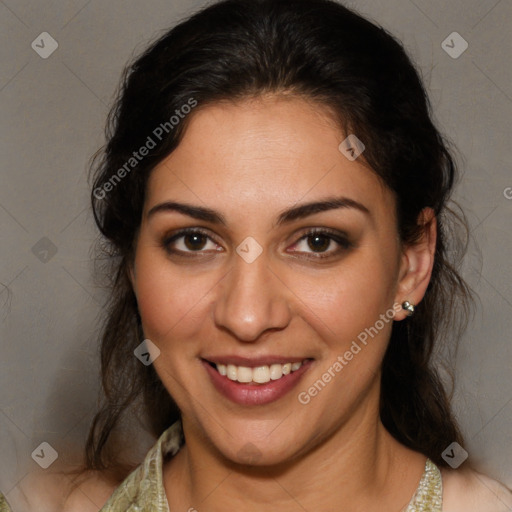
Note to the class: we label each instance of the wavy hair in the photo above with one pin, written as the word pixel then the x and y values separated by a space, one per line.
pixel 324 52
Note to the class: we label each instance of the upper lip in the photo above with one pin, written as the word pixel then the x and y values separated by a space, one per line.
pixel 252 362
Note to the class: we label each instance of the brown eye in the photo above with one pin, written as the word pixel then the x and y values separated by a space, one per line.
pixel 194 241
pixel 318 242
pixel 189 241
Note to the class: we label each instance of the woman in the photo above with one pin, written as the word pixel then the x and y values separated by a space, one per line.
pixel 275 195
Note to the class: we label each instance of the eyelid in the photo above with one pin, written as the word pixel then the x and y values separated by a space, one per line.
pixel 339 237
pixel 168 239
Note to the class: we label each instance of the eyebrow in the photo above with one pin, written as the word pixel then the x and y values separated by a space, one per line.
pixel 286 216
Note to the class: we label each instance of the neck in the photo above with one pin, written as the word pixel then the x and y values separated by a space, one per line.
pixel 358 467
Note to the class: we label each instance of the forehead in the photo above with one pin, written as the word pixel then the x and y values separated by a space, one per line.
pixel 272 151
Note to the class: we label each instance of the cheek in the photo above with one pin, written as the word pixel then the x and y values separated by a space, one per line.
pixel 352 320
pixel 358 326
pixel 343 302
pixel 169 301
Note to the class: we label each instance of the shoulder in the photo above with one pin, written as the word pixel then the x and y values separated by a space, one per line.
pixel 60 492
pixel 124 484
pixel 470 491
pixel 90 494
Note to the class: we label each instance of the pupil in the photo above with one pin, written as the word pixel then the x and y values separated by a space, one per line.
pixel 321 246
pixel 197 239
pixel 317 242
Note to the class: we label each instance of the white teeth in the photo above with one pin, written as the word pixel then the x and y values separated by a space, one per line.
pixel 276 371
pixel 244 374
pixel 261 374
pixel 232 372
pixel 258 374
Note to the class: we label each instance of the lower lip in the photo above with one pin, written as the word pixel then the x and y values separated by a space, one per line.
pixel 255 394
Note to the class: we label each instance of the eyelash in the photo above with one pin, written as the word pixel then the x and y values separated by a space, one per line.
pixel 335 236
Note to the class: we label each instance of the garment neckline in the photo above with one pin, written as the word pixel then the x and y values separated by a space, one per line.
pixel 427 496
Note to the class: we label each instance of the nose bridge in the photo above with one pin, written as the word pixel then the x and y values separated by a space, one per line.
pixel 251 299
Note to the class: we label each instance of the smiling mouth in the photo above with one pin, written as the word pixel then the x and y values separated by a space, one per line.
pixel 258 374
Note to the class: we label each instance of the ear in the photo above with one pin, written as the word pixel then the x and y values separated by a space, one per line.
pixel 416 265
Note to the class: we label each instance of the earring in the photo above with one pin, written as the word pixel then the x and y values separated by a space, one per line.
pixel 408 307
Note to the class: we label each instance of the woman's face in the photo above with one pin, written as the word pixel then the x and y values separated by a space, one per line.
pixel 252 293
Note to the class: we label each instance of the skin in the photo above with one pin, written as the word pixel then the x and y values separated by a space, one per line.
pixel 250 161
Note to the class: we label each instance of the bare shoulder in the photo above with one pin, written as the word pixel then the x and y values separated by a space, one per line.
pixel 90 494
pixel 470 491
pixel 59 492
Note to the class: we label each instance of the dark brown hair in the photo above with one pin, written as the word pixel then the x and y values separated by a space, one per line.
pixel 324 52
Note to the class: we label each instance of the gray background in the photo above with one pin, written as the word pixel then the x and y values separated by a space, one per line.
pixel 52 116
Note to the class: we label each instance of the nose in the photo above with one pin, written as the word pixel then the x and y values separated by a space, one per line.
pixel 251 300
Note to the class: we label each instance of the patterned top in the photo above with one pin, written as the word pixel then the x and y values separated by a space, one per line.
pixel 429 494
pixel 143 489
pixel 4 507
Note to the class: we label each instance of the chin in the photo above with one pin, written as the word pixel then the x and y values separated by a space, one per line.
pixel 250 454
pixel 261 447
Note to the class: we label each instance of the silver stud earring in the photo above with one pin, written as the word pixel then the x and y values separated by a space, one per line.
pixel 408 307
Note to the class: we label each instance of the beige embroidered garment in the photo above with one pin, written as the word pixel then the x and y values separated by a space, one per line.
pixel 4 507
pixel 143 489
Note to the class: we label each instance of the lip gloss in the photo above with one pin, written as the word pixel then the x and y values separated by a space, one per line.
pixel 255 394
